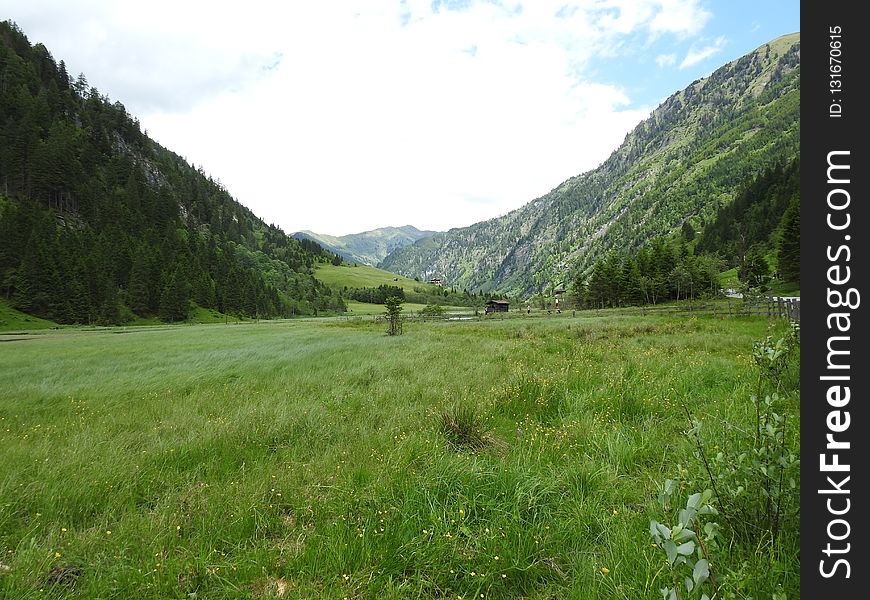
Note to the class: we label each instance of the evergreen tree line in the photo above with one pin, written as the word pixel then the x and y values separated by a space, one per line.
pixel 77 275
pixel 376 295
pixel 763 218
pixel 98 223
pixel 660 271
pixel 419 295
pixel 756 219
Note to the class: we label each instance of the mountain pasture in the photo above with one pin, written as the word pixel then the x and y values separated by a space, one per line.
pixel 319 458
pixel 362 276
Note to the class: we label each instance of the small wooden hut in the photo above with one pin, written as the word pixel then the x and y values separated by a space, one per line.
pixel 497 306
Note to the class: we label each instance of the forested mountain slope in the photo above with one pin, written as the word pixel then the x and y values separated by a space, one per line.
pixel 686 161
pixel 99 223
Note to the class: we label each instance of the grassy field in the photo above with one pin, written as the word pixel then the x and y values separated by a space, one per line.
pixel 315 458
pixel 362 276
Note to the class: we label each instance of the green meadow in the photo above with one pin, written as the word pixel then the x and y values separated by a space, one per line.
pixel 362 276
pixel 320 458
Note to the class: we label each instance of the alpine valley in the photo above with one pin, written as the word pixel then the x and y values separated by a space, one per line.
pixel 100 224
pixel 506 420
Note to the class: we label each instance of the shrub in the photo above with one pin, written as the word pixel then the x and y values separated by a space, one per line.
pixel 432 311
pixel 686 549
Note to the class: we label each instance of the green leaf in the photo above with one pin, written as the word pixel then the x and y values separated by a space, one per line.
pixel 664 531
pixel 686 516
pixel 654 530
pixel 701 571
pixel 711 529
pixel 671 550
pixel 687 548
pixel 690 585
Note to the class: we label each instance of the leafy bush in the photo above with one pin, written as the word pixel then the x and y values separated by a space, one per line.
pixel 753 473
pixel 686 550
pixel 432 311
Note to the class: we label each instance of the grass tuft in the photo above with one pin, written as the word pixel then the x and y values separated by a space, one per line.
pixel 64 576
pixel 464 428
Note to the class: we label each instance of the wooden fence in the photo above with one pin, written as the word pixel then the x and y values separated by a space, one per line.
pixel 785 308
pixel 772 308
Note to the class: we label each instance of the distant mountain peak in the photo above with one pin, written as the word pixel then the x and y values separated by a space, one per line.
pixel 367 247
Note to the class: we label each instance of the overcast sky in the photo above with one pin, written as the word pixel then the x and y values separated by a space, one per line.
pixel 345 115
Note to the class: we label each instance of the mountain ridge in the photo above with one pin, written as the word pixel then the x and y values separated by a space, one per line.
pixel 367 247
pixel 682 162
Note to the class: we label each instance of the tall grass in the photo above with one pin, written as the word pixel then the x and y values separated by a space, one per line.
pixel 311 459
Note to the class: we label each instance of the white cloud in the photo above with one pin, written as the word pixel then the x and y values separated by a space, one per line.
pixel 680 17
pixel 343 116
pixel 666 60
pixel 684 18
pixel 695 55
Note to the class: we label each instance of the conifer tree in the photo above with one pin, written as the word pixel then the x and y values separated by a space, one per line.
pixel 174 298
pixel 789 248
pixel 754 270
pixel 137 287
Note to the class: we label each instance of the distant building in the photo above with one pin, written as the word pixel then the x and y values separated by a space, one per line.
pixel 437 281
pixel 497 306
